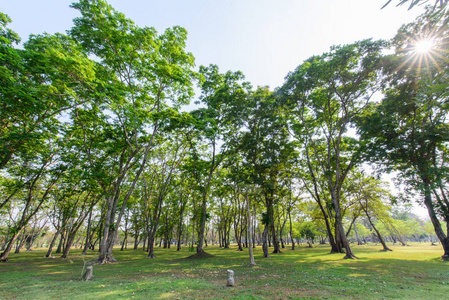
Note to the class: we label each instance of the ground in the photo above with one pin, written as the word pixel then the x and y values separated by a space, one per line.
pixel 407 272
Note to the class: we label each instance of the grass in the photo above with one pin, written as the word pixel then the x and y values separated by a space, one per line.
pixel 407 272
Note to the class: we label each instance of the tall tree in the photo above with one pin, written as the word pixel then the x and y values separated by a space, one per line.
pixel 268 154
pixel 408 130
pixel 216 126
pixel 324 94
pixel 142 73
pixel 371 198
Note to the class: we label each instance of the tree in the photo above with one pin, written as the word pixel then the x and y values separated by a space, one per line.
pixel 370 196
pixel 157 181
pixel 408 130
pixel 142 73
pixel 268 155
pixel 216 125
pixel 324 95
pixel 38 173
pixel 307 230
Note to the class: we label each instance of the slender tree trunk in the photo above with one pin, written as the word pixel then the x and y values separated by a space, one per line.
pixel 291 230
pixel 151 254
pixel 270 212
pixel 444 239
pixel 125 241
pixel 68 244
pixel 359 241
pixel 136 240
pixel 89 224
pixel 52 244
pixel 22 241
pixel 265 242
pixel 61 242
pixel 335 248
pixel 178 248
pixel 385 247
pixel 252 262
pixel 199 248
pixel 5 253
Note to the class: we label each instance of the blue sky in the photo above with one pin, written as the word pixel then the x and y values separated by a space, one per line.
pixel 265 39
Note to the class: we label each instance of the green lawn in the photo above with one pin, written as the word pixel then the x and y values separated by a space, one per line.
pixel 408 272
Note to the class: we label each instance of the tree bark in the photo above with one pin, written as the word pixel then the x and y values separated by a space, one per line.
pixel 199 248
pixel 359 241
pixel 344 239
pixel 265 242
pixel 88 237
pixel 181 213
pixel 5 253
pixel 21 242
pixel 252 262
pixel 270 212
pixel 52 244
pixel 444 239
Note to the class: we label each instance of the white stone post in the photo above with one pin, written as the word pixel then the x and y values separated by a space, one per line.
pixel 230 278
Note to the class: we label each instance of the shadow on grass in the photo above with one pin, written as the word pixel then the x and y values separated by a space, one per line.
pixel 305 272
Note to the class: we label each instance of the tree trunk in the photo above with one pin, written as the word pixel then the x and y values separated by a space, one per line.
pixel 5 253
pixel 291 230
pixel 151 247
pixel 61 242
pixel 88 237
pixel 270 212
pixel 136 240
pixel 21 242
pixel 338 243
pixel 53 241
pixel 385 248
pixel 249 236
pixel 265 242
pixel 68 245
pixel 359 241
pixel 181 213
pixel 199 248
pixel 344 239
pixel 436 223
pixel 125 241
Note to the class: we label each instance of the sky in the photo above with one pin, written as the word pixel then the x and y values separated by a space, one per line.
pixel 265 39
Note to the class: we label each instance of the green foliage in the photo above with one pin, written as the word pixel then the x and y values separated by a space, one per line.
pixel 441 4
pixel 408 130
pixel 307 230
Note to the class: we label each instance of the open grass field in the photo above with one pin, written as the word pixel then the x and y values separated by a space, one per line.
pixel 414 272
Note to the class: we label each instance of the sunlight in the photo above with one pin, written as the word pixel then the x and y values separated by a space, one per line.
pixel 424 46
pixel 424 52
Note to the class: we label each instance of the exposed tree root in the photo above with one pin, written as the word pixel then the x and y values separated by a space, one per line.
pixel 385 250
pixel 351 256
pixel 200 255
pixel 105 260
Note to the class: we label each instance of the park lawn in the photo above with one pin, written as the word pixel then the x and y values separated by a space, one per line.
pixel 408 272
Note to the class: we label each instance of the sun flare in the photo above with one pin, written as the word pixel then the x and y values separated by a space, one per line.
pixel 424 46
